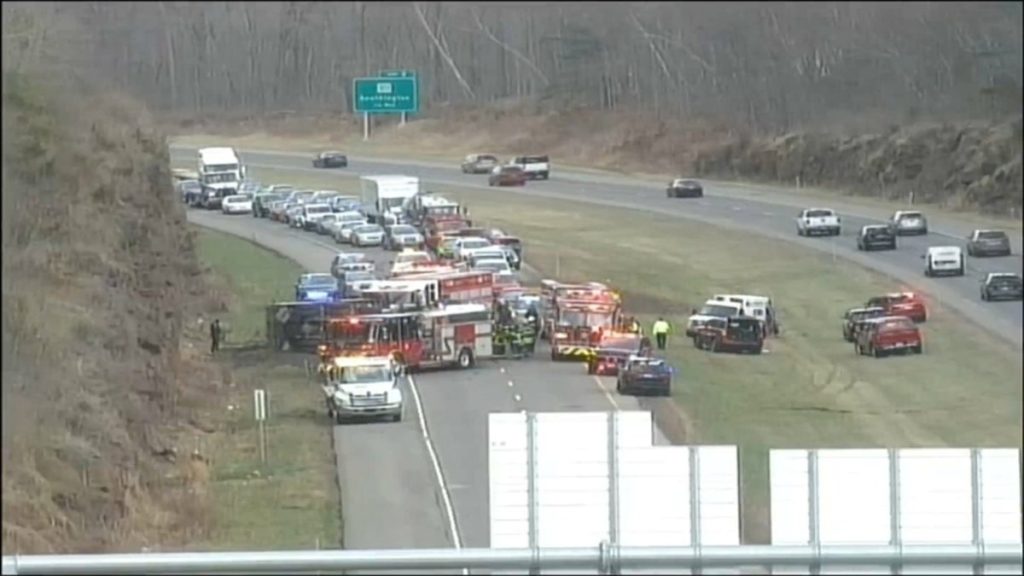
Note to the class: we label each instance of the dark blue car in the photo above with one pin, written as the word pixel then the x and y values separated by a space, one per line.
pixel 317 288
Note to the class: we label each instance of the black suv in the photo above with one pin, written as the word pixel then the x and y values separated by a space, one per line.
pixel 876 236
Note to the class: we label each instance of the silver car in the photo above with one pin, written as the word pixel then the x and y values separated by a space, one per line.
pixel 403 236
pixel 356 281
pixel 905 223
pixel 368 235
pixel 343 231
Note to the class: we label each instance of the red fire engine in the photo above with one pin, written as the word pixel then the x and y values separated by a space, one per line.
pixel 459 334
pixel 436 227
pixel 578 326
pixel 455 287
pixel 552 292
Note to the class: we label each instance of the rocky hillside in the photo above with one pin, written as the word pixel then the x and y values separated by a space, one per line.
pixel 98 272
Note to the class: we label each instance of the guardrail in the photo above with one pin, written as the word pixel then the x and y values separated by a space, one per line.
pixel 607 559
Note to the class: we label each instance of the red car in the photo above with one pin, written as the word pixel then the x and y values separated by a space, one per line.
pixel 901 304
pixel 507 176
pixel 888 334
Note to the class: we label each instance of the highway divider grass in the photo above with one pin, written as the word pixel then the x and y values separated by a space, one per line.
pixel 291 501
pixel 809 390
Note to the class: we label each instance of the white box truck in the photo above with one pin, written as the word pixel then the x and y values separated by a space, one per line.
pixel 383 196
pixel 220 174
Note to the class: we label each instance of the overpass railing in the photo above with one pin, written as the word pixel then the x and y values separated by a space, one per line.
pixel 606 558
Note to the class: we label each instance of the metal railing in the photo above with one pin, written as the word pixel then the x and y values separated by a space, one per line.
pixel 606 558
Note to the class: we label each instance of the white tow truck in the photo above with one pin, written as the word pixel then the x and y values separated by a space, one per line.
pixel 363 387
pixel 818 221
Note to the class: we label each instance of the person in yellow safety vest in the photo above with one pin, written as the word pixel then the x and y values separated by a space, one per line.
pixel 660 330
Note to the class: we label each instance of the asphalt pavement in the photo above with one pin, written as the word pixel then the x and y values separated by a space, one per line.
pixel 394 493
pixel 763 210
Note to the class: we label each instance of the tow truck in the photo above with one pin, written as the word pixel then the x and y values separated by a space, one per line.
pixel 459 334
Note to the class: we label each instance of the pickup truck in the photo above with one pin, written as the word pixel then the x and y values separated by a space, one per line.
pixel 535 167
pixel 813 221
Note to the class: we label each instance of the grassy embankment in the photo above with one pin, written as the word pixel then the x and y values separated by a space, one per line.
pixel 292 501
pixel 810 390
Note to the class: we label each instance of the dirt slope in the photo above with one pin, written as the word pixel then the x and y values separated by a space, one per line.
pixel 98 277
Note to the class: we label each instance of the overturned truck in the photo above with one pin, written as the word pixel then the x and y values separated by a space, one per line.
pixel 302 326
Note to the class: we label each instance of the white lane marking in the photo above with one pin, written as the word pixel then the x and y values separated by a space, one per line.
pixel 768 213
pixel 737 208
pixel 607 394
pixel 445 496
pixel 517 398
pixel 510 384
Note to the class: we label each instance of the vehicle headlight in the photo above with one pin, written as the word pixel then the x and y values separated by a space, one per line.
pixel 394 395
pixel 342 397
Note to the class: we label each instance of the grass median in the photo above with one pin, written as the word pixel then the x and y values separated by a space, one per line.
pixel 810 390
pixel 291 501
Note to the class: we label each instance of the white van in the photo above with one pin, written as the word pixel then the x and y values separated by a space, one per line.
pixel 944 260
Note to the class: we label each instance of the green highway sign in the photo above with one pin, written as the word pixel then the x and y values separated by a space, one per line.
pixel 386 95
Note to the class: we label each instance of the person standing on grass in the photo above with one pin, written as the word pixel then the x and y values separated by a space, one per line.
pixel 660 330
pixel 215 336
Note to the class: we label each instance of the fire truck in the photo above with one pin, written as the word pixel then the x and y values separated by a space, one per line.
pixel 436 227
pixel 455 286
pixel 576 317
pixel 459 334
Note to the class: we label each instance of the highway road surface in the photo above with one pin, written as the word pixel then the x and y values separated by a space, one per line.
pixel 766 211
pixel 442 439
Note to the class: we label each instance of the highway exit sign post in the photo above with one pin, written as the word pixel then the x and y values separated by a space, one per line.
pixel 390 92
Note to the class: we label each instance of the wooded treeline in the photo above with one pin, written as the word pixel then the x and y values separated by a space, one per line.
pixel 769 66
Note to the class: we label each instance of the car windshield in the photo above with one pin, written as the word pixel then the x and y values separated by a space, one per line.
pixel 717 310
pixel 219 178
pixel 303 196
pixel 876 231
pixel 1006 281
pixel 572 318
pixel 534 159
pixel 492 265
pixel 896 324
pixel 819 213
pixel 320 280
pixel 363 375
pixel 322 209
pixel 268 198
pixel 329 217
pixel 992 235
pixel 368 229
pixel 236 199
pixel 649 366
pixel 358 276
pixel 474 244
pixel 910 215
pixel 400 230
pixel 407 258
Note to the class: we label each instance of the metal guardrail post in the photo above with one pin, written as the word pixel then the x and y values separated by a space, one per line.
pixel 531 489
pixel 895 516
pixel 612 567
pixel 977 512
pixel 813 506
pixel 695 514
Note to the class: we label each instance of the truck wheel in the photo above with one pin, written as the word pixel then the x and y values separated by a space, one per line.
pixel 960 272
pixel 338 418
pixel 876 352
pixel 591 368
pixel 397 417
pixel 916 349
pixel 465 358
pixel 928 271
pixel 713 345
